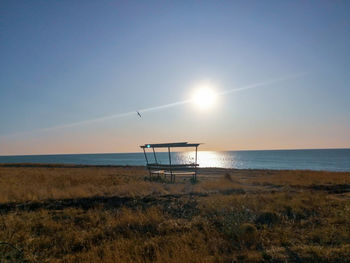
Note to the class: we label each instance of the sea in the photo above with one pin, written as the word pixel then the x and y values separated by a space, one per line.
pixel 320 159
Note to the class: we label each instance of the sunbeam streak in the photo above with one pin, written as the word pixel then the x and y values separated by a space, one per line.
pixel 156 108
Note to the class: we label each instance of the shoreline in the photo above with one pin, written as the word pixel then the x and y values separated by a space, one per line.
pixel 200 169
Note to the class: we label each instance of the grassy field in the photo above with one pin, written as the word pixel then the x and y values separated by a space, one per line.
pixel 53 213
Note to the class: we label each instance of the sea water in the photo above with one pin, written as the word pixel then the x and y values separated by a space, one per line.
pixel 324 159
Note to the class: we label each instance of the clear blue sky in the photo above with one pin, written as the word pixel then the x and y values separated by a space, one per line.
pixel 64 62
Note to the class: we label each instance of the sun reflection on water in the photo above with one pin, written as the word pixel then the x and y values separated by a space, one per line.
pixel 207 159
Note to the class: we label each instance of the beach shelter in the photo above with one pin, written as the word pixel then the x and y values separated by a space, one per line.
pixel 171 168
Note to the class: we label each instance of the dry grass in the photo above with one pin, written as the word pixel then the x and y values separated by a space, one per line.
pixel 298 178
pixel 37 183
pixel 114 215
pixel 21 184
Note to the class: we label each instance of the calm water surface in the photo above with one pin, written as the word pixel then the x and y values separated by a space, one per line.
pixel 327 159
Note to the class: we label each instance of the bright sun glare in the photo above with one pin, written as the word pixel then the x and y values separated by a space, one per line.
pixel 204 97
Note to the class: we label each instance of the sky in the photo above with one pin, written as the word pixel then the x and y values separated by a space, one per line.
pixel 74 73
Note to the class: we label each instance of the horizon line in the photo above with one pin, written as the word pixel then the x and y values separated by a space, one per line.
pixel 240 150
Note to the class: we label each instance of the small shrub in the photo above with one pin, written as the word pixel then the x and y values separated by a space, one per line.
pixel 267 218
pixel 228 177
pixel 248 234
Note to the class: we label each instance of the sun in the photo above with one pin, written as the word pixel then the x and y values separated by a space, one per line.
pixel 204 97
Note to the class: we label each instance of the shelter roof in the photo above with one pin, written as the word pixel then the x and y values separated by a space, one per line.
pixel 173 144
